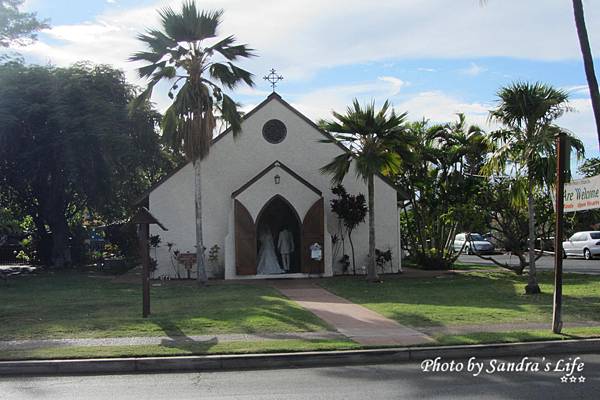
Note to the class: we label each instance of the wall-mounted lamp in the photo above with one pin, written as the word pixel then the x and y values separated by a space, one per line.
pixel 277 179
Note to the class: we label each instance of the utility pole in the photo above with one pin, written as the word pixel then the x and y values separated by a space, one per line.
pixel 558 233
pixel 145 269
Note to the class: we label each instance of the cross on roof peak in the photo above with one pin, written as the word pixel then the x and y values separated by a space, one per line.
pixel 273 78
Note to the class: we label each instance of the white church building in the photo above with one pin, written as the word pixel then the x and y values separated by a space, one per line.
pixel 258 184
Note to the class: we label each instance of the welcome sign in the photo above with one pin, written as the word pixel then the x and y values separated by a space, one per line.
pixel 582 194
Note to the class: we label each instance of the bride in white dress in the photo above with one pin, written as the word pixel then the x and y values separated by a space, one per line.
pixel 267 258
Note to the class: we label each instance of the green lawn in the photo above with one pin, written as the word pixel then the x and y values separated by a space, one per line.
pixel 272 346
pixel 456 266
pixel 471 298
pixel 470 267
pixel 74 305
pixel 518 336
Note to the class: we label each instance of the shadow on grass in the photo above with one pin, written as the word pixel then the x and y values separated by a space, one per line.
pixel 496 297
pixel 179 340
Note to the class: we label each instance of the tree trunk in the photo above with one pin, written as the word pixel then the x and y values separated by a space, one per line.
pixel 44 239
pixel 352 249
pixel 200 263
pixel 532 285
pixel 371 270
pixel 588 62
pixel 61 256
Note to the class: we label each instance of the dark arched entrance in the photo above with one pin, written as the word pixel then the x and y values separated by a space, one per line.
pixel 277 215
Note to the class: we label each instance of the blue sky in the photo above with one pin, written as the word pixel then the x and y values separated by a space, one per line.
pixel 431 58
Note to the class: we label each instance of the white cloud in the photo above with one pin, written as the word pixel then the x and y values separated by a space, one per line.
pixel 319 103
pixel 581 123
pixel 438 106
pixel 435 106
pixel 396 84
pixel 473 70
pixel 300 38
pixel 577 90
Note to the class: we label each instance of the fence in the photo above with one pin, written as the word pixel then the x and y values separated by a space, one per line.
pixel 8 255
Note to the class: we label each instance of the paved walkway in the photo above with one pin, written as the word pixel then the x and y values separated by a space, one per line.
pixel 164 340
pixel 358 323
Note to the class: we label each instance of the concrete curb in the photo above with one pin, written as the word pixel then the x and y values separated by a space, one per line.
pixel 291 360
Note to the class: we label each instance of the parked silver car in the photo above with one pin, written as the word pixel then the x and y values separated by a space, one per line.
pixel 477 243
pixel 586 244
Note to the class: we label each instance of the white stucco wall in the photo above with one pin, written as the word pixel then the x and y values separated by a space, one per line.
pixel 233 162
pixel 261 191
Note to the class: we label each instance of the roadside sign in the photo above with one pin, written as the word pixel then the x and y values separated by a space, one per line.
pixel 581 194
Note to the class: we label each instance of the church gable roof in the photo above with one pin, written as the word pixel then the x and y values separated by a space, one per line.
pixel 272 97
pixel 276 164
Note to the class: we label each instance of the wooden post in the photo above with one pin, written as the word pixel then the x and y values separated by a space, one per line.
pixel 558 234
pixel 145 255
pixel 143 219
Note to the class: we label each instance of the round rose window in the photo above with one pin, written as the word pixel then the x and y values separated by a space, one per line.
pixel 274 131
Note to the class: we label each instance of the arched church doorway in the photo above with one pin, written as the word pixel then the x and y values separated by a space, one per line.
pixel 278 230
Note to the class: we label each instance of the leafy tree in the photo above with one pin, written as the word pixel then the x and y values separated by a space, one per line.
pixel 443 189
pixel 351 210
pixel 69 147
pixel 18 27
pixel 526 146
pixel 508 224
pixel 178 54
pixel 590 167
pixel 374 145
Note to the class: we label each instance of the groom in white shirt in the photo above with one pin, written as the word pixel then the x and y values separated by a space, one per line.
pixel 285 245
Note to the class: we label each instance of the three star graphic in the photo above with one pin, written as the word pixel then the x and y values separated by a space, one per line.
pixel 572 379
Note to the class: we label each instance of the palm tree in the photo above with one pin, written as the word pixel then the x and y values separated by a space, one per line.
pixel 588 61
pixel 370 138
pixel 526 145
pixel 178 55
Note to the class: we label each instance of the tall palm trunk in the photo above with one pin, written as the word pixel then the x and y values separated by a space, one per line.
pixel 532 285
pixel 588 62
pixel 371 270
pixel 352 249
pixel 200 264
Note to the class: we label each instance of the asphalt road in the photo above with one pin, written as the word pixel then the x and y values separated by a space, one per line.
pixel 392 381
pixel 570 264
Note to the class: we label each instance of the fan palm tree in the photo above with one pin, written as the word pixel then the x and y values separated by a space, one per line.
pixel 178 54
pixel 373 140
pixel 527 145
pixel 588 61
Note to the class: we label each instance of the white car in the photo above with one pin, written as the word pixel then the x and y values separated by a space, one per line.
pixel 586 244
pixel 478 243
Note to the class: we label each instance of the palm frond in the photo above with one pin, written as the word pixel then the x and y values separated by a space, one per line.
pixel 190 25
pixel 230 51
pixel 338 168
pixel 231 115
